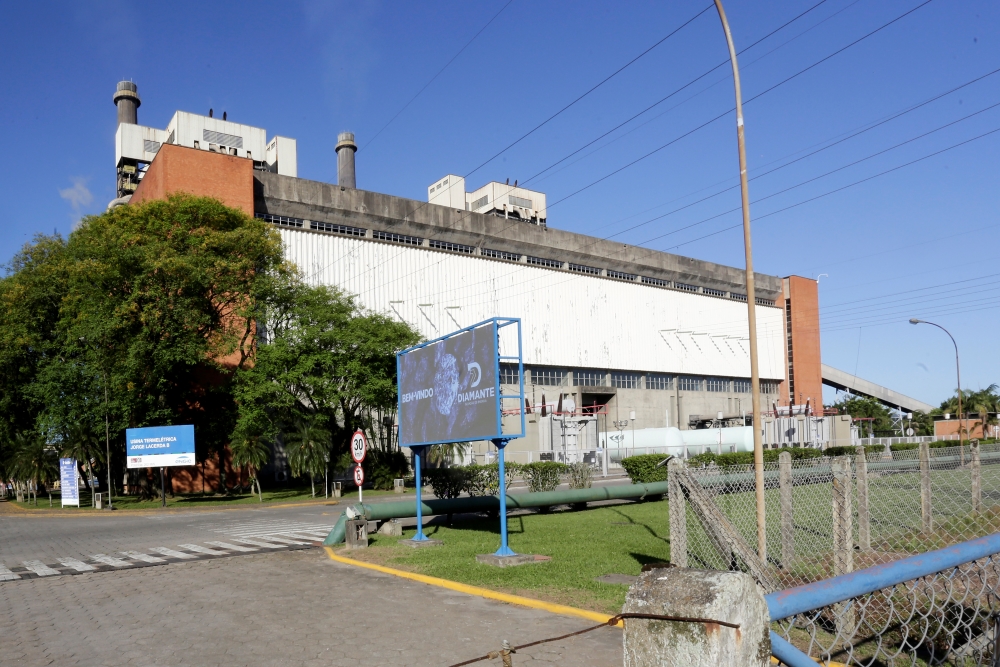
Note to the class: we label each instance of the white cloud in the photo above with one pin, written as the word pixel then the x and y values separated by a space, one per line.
pixel 78 195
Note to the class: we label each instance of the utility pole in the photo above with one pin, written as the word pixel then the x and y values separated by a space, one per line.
pixel 758 445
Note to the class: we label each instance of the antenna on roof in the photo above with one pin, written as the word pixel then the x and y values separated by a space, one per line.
pixel 210 113
pixel 223 115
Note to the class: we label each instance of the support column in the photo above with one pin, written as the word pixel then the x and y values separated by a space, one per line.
pixel 977 480
pixel 864 522
pixel 787 518
pixel 926 521
pixel 843 542
pixel 677 506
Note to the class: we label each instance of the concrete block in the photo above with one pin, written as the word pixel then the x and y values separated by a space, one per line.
pixel 508 561
pixel 392 528
pixel 357 534
pixel 422 543
pixel 731 597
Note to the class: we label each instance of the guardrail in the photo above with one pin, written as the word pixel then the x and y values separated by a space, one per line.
pixel 940 607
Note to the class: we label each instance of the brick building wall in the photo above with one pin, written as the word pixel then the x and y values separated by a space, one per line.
pixel 804 368
pixel 203 173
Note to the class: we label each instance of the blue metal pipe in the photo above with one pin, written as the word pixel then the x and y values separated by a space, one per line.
pixel 800 599
pixel 783 650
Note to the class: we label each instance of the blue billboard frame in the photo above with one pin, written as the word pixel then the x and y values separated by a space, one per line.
pixel 500 440
pixel 498 323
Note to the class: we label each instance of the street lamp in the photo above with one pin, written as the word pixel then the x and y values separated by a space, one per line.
pixel 958 376
pixel 758 445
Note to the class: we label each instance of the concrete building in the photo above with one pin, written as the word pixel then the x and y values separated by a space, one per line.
pixel 611 332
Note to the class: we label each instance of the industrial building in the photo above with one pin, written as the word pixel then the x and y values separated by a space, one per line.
pixel 612 334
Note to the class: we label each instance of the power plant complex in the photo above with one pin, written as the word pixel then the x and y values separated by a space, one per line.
pixel 616 338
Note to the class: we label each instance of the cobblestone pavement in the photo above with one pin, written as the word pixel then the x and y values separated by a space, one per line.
pixel 278 608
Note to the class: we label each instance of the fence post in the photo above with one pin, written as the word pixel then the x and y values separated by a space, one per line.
pixel 977 481
pixel 677 506
pixel 864 524
pixel 787 523
pixel 843 540
pixel 734 598
pixel 926 525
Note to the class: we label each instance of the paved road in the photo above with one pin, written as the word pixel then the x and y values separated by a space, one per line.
pixel 274 608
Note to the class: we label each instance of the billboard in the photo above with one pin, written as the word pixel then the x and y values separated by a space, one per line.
pixel 160 446
pixel 449 390
pixel 69 483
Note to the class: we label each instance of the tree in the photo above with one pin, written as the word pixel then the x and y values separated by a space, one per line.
pixel 34 462
pixel 865 407
pixel 308 448
pixel 322 360
pixel 986 404
pixel 253 454
pixel 151 305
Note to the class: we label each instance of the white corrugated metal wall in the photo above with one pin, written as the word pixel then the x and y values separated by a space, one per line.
pixel 569 320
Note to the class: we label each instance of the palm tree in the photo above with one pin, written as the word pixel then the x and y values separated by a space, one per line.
pixel 308 448
pixel 985 402
pixel 254 454
pixel 82 443
pixel 34 461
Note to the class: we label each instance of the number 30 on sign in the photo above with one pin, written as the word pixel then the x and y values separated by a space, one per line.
pixel 359 446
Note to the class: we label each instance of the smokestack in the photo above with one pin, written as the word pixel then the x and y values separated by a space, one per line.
pixel 127 101
pixel 345 160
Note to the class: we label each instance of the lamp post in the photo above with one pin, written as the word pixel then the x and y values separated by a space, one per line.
pixel 958 377
pixel 620 424
pixel 758 445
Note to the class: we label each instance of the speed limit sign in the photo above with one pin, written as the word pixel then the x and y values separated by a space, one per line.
pixel 359 476
pixel 358 446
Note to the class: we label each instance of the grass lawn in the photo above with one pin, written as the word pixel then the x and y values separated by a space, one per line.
pixel 583 545
pixel 192 500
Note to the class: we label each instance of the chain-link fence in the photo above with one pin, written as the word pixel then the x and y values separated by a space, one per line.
pixel 830 516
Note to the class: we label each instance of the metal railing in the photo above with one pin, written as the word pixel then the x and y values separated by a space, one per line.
pixel 936 608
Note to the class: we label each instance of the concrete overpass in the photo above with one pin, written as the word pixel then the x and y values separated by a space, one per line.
pixel 838 379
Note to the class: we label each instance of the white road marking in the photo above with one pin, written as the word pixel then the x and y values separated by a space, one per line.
pixel 231 547
pixel 300 536
pixel 7 575
pixel 202 550
pixel 77 565
pixel 285 540
pixel 172 553
pixel 110 560
pixel 259 543
pixel 135 555
pixel 40 568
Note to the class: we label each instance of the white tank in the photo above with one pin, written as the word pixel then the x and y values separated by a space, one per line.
pixel 734 439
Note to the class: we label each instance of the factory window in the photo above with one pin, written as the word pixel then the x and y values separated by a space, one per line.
pixel 541 261
pixel 397 238
pixel 509 375
pixel 688 383
pixel 768 387
pixel 222 138
pixel 713 292
pixel 481 202
pixel 660 382
pixel 764 302
pixel 150 146
pixel 548 376
pixel 499 254
pixel 580 268
pixel 625 380
pixel 686 288
pixel 738 297
pixel 232 151
pixel 197 144
pixel 621 276
pixel 519 201
pixel 337 229
pixel 590 378
pixel 741 386
pixel 281 220
pixel 454 247
pixel 717 384
pixel 444 182
pixel 658 282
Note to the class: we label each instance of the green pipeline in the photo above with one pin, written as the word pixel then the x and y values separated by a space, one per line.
pixel 400 510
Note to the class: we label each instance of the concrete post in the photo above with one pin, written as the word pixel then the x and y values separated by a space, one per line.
pixel 864 523
pixel 677 506
pixel 843 540
pixel 730 597
pixel 787 522
pixel 926 523
pixel 977 480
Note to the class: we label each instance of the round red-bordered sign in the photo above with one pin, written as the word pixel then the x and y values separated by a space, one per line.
pixel 359 446
pixel 359 476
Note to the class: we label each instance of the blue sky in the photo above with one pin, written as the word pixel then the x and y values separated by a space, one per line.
pixel 310 70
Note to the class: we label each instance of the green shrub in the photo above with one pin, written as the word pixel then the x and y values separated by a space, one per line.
pixel 642 469
pixel 746 458
pixel 382 468
pixel 484 480
pixel 581 476
pixel 903 446
pixel 542 475
pixel 851 451
pixel 447 482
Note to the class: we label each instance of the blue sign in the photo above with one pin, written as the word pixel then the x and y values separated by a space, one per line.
pixel 449 388
pixel 68 484
pixel 160 446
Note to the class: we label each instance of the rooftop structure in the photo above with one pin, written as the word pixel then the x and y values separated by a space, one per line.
pixel 499 199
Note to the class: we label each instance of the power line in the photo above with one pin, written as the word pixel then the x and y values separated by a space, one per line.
pixel 439 72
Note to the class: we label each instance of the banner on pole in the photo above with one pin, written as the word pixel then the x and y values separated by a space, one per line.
pixel 68 482
pixel 160 446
